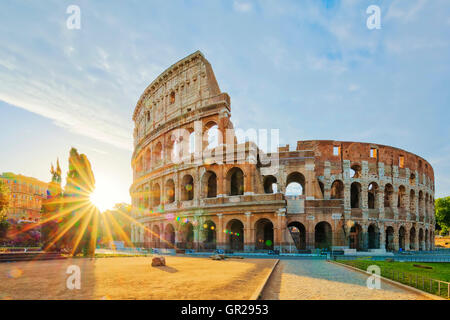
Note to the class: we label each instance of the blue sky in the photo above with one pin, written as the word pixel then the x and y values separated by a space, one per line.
pixel 310 68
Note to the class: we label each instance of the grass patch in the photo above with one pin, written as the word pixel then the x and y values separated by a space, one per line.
pixel 407 273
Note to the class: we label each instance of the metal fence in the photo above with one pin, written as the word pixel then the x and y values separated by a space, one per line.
pixel 437 287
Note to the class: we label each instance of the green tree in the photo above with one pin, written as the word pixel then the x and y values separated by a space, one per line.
pixel 442 206
pixel 5 196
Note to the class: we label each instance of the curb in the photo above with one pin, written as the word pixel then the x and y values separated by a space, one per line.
pixel 257 294
pixel 398 284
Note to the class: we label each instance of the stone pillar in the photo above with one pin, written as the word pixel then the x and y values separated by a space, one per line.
pixel 407 245
pixel 280 240
pixel 365 237
pixel 249 242
pixel 220 233
pixel 382 231
pixel 380 201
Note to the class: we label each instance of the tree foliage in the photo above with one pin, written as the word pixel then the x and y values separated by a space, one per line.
pixel 442 206
pixel 5 196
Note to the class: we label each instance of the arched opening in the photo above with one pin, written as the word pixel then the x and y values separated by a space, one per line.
pixel 169 235
pixel 323 235
pixel 401 238
pixel 270 184
pixel 187 232
pixel 209 235
pixel 412 238
pixel 187 188
pixel 209 185
pixel 235 179
pixel 355 195
pixel 235 235
pixel 170 191
pixel 355 171
pixel 295 184
pixel 157 154
pixel 322 188
pixel 421 239
pixel 388 195
pixel 401 197
pixel 337 190
pixel 390 239
pixel 426 240
pixel 156 236
pixel 356 237
pixel 372 198
pixel 156 195
pixel 264 234
pixel 374 237
pixel 412 179
pixel 211 136
pixel 298 234
pixel 172 97
pixel 426 204
pixel 412 201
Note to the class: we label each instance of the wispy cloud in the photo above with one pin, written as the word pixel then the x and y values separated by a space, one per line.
pixel 242 6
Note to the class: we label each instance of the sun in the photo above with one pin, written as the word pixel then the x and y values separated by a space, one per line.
pixel 102 200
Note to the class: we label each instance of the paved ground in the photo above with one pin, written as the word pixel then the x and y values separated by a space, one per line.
pixel 319 280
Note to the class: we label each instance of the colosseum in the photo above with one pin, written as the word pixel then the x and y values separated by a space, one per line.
pixel 195 187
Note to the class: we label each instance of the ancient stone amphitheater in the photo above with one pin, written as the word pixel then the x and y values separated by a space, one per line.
pixel 195 187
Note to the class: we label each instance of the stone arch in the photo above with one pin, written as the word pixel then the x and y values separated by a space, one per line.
pixel 269 183
pixel 156 195
pixel 388 195
pixel 235 235
pixel 209 184
pixel 298 234
pixel 187 188
pixel 412 238
pixel 355 195
pixel 169 235
pixel 295 184
pixel 356 240
pixel 235 181
pixel 355 171
pixel 426 240
pixel 264 234
pixel 337 190
pixel 323 235
pixel 373 236
pixel 209 235
pixel 211 135
pixel 390 245
pixel 402 238
pixel 372 196
pixel 169 191
pixel 187 233
pixel 321 187
pixel 157 154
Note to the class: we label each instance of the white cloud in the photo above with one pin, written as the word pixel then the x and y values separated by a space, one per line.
pixel 242 6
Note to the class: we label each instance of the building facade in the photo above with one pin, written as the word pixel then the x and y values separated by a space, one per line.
pixel 26 197
pixel 194 186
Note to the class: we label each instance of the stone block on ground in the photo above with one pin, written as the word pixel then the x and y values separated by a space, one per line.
pixel 158 261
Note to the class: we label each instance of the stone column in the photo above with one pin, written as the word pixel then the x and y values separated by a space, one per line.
pixel 365 237
pixel 382 231
pixel 220 233
pixel 248 233
pixel 280 241
pixel 407 245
